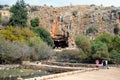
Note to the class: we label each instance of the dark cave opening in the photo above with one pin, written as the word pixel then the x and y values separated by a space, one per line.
pixel 61 44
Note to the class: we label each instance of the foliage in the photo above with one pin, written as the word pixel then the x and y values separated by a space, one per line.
pixel 44 35
pixel 110 40
pixel 68 55
pixel 42 51
pixel 105 38
pixel 115 56
pixel 17 34
pixel 35 22
pixel 13 52
pixel 74 12
pixel 0 18
pixel 19 14
pixel 99 50
pixel 113 45
pixel 16 52
pixel 33 9
pixel 92 30
pixel 92 5
pixel 1 6
pixel 84 45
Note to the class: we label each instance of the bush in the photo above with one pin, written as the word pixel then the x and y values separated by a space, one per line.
pixel 42 50
pixel 44 35
pixel 14 52
pixel 35 22
pixel 68 55
pixel 17 34
pixel 34 9
pixel 105 38
pixel 74 12
pixel 92 30
pixel 0 18
pixel 110 40
pixel 113 44
pixel 84 45
pixel 99 50
pixel 115 56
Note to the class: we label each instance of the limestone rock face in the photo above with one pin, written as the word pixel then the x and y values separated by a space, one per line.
pixel 65 23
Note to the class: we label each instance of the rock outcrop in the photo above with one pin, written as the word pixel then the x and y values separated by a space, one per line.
pixel 65 23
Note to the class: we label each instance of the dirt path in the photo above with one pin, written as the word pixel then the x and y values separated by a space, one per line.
pixel 102 74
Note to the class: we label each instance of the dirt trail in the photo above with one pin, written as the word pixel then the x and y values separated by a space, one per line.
pixel 102 74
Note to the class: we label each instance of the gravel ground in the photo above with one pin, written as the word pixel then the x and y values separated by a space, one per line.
pixel 103 74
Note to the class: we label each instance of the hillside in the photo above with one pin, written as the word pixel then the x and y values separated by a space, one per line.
pixel 64 23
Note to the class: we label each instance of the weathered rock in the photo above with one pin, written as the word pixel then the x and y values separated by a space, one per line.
pixel 64 25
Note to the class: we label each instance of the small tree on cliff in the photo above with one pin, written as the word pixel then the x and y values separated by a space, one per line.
pixel 19 14
pixel 35 22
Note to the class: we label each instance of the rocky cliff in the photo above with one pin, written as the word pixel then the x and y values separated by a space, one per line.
pixel 65 23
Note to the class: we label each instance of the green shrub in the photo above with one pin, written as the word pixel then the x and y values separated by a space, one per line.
pixel 115 56
pixel 35 22
pixel 110 40
pixel 74 12
pixel 99 50
pixel 105 38
pixel 0 18
pixel 44 35
pixel 92 30
pixel 113 44
pixel 84 45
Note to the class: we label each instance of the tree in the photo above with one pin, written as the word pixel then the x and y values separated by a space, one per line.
pixel 113 44
pixel 19 14
pixel 105 38
pixel 99 50
pixel 1 6
pixel 44 35
pixel 110 40
pixel 35 22
pixel 84 45
pixel 115 56
pixel 0 18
